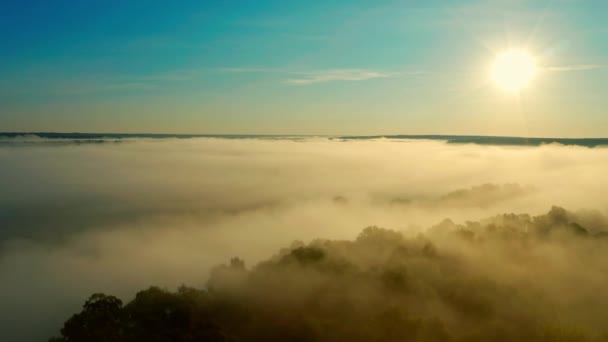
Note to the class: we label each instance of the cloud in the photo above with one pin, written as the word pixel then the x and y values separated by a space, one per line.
pixel 303 77
pixel 576 67
pixel 251 70
pixel 105 217
pixel 338 75
pixel 103 84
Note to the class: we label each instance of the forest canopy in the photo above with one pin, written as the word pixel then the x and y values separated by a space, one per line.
pixel 507 278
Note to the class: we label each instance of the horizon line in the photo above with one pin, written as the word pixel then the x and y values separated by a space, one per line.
pixel 345 136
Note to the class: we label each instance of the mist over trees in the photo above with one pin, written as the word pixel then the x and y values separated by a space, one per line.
pixel 78 219
pixel 511 277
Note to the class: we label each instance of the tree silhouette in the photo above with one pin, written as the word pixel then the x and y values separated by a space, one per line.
pixel 101 320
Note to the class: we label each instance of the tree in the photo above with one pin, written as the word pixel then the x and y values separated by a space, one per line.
pixel 100 320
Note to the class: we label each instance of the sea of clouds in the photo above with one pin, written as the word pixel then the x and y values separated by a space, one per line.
pixel 117 217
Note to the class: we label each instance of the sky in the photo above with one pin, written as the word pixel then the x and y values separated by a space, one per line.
pixel 301 67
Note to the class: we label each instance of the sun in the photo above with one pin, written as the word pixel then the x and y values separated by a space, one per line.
pixel 513 70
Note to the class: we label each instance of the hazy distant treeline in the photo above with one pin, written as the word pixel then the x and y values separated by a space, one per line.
pixel 79 138
pixel 507 278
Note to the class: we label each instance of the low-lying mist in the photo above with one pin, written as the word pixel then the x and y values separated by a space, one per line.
pixel 116 218
pixel 507 278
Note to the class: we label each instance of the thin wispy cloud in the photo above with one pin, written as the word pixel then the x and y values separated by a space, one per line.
pixel 154 81
pixel 251 70
pixel 338 75
pixel 306 77
pixel 576 67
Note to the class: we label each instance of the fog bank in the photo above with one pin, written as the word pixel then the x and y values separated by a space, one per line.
pixel 115 218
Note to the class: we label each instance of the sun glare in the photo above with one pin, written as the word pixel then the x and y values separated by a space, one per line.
pixel 513 70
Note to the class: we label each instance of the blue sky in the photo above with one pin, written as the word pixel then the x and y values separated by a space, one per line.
pixel 300 67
